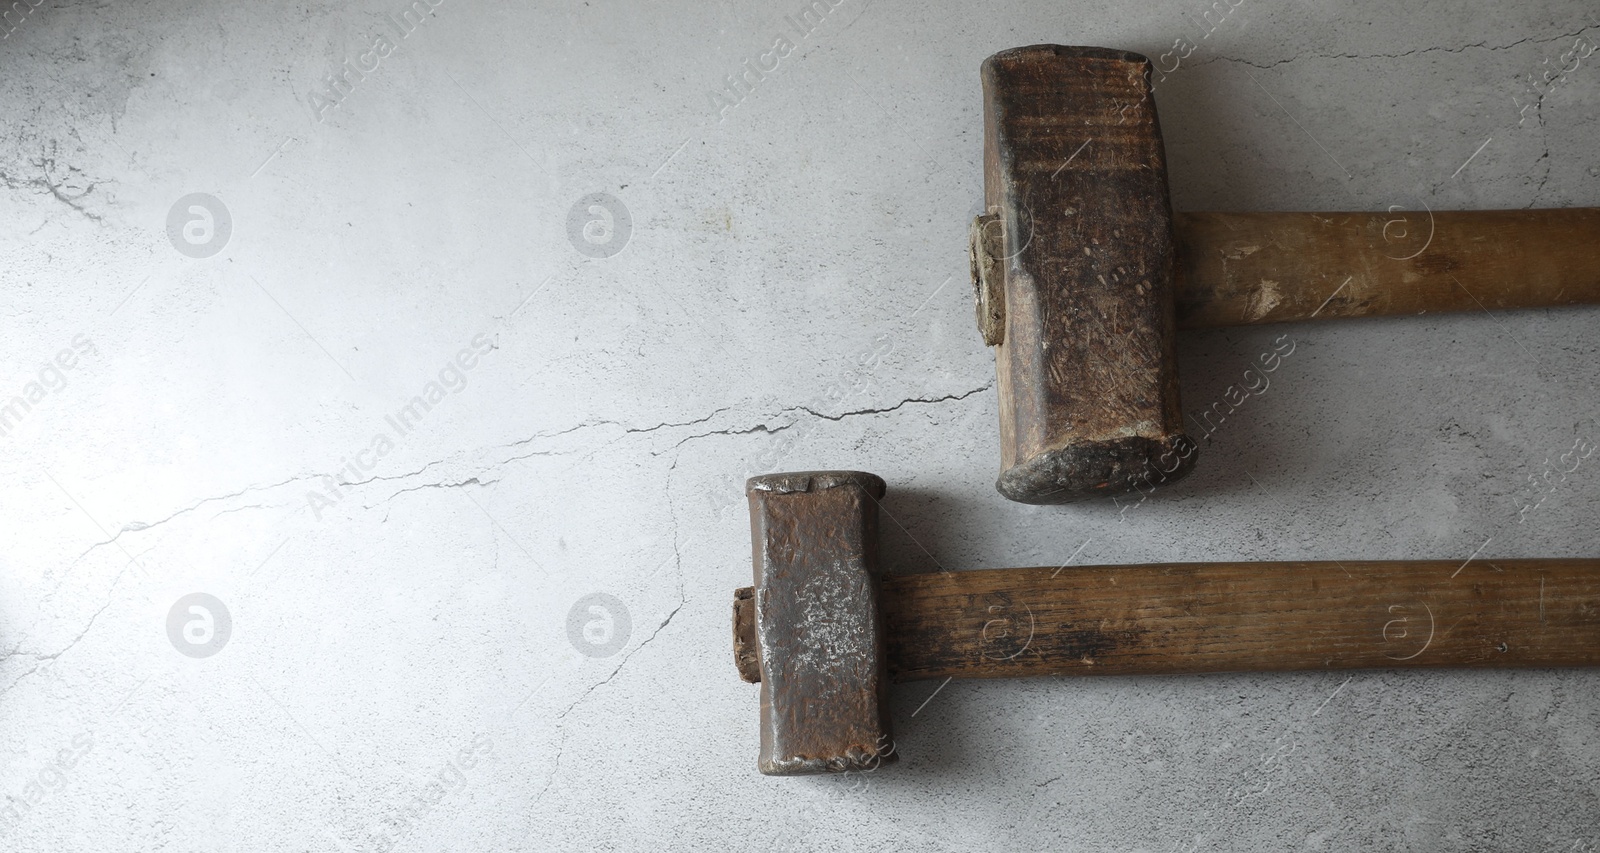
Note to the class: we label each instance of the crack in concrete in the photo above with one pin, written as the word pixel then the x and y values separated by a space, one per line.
pixel 624 662
pixel 41 657
pixel 763 427
pixel 46 164
pixel 561 746
pixel 470 481
pixel 627 430
pixel 137 526
pixel 242 508
pixel 677 553
pixel 1544 140
pixel 945 399
pixel 1475 46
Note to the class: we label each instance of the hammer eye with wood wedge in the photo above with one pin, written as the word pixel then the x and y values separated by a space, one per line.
pixel 1083 274
pixel 825 635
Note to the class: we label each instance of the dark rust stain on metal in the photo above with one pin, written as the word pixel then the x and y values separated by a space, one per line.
pixel 744 635
pixel 816 622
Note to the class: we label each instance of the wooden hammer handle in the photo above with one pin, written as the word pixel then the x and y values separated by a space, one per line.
pixel 1236 269
pixel 1221 617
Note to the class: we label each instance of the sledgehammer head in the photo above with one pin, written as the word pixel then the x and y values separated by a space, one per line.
pixel 818 632
pixel 1073 270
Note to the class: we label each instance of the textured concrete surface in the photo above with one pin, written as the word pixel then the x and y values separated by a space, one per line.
pixel 499 620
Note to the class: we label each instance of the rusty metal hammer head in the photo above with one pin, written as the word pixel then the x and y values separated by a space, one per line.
pixel 810 629
pixel 1073 271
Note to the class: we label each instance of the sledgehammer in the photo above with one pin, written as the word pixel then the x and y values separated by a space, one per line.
pixel 1083 273
pixel 824 634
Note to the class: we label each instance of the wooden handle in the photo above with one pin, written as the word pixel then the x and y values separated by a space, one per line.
pixel 1236 269
pixel 1222 617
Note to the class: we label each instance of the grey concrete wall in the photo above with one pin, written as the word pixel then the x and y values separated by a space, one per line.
pixel 395 646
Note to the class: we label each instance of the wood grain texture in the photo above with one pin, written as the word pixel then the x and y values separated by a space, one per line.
pixel 1244 268
pixel 818 631
pixel 1220 617
pixel 1088 381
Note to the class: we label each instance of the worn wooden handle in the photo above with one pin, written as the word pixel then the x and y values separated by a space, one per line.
pixel 1217 617
pixel 1243 268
